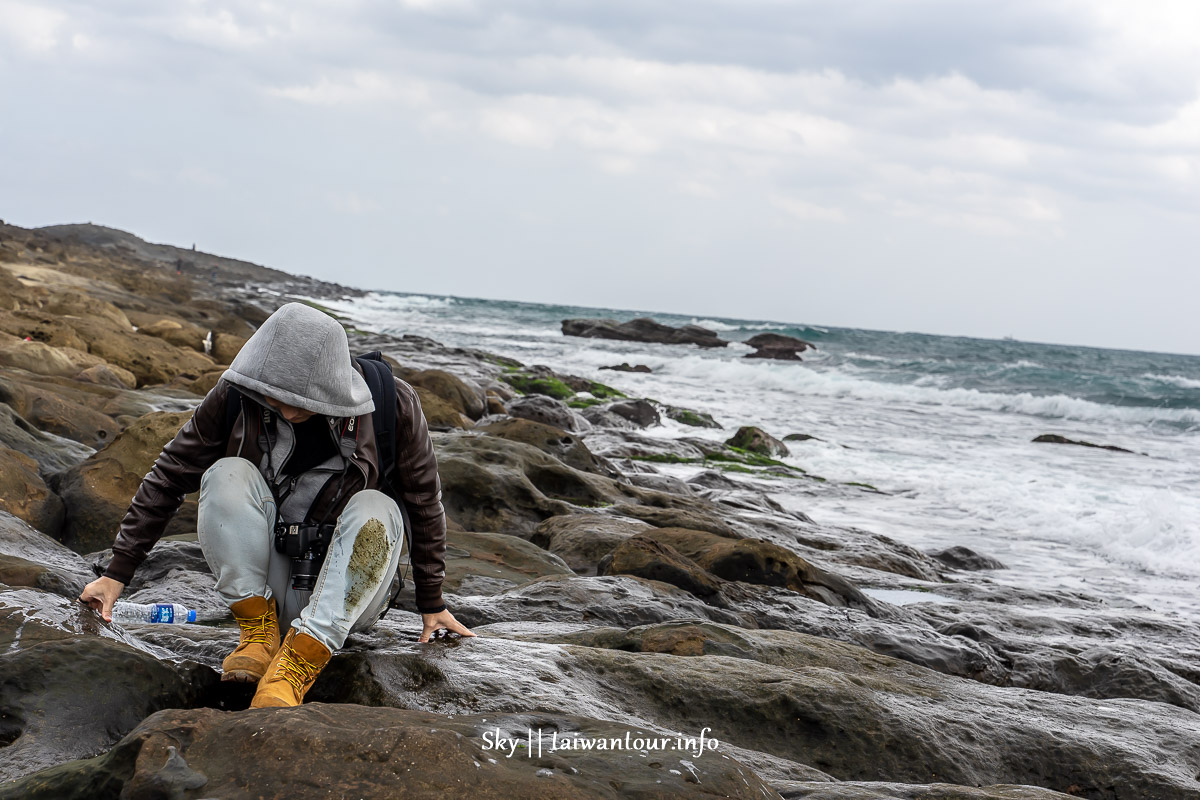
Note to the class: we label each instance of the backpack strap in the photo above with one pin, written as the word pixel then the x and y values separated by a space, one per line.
pixel 382 384
pixel 233 407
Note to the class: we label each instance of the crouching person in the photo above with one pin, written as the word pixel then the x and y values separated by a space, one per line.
pixel 303 507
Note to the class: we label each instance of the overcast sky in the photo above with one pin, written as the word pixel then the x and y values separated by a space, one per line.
pixel 1016 168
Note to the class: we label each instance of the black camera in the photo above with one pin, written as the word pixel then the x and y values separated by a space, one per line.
pixel 306 545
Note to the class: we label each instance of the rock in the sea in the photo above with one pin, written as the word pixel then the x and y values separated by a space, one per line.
pixel 548 411
pixel 377 753
pixel 686 416
pixel 625 367
pixel 643 329
pixel 24 494
pixel 623 414
pixel 778 346
pixel 758 441
pixel 97 492
pixel 964 558
pixel 1053 438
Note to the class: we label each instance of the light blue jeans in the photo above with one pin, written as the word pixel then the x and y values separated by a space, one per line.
pixel 236 526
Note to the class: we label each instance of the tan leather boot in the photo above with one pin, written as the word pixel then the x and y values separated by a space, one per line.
pixel 292 672
pixel 256 616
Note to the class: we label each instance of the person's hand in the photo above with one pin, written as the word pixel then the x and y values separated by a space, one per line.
pixel 442 619
pixel 101 593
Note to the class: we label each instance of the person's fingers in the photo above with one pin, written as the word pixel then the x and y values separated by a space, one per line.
pixel 459 628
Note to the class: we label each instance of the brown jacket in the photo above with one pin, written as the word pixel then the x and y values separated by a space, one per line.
pixel 203 440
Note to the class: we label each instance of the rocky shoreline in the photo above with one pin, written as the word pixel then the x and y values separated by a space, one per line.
pixel 624 587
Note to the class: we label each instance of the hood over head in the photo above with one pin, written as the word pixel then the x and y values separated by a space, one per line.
pixel 300 356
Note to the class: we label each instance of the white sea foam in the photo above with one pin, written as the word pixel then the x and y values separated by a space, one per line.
pixel 794 378
pixel 714 325
pixel 1174 380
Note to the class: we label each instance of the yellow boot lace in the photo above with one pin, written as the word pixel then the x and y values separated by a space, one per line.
pixel 297 671
pixel 254 629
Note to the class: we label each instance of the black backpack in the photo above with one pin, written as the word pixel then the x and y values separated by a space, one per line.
pixel 380 381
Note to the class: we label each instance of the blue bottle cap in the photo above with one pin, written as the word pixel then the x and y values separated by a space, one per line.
pixel 191 615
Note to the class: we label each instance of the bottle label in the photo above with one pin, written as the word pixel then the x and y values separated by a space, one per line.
pixel 164 612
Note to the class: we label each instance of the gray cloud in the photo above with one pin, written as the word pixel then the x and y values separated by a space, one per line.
pixel 920 165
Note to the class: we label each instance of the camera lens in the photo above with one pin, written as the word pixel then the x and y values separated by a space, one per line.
pixel 304 574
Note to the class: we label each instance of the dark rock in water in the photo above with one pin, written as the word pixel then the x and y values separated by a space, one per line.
pixel 581 540
pixel 801 437
pixel 1053 438
pixel 758 441
pixel 624 367
pixel 377 753
pixel 564 446
pixel 24 494
pixel 98 491
pixel 686 416
pixel 548 411
pixel 778 346
pixel 965 559
pixel 643 329
pixel 627 413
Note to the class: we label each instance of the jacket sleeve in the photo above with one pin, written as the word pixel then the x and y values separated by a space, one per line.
pixel 421 491
pixel 198 445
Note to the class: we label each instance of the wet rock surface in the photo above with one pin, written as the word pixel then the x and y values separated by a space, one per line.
pixel 619 582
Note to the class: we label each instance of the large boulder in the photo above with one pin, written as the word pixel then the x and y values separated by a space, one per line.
pixel 440 414
pixel 493 484
pixel 52 453
pixel 486 563
pixel 645 557
pixel 97 492
pixel 582 540
pixel 32 559
pixel 376 753
pixel 61 410
pixel 462 397
pixel 71 687
pixel 642 329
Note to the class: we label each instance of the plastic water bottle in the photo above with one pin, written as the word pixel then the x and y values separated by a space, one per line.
pixel 170 613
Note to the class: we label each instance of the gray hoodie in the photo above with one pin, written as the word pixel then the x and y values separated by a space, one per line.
pixel 300 356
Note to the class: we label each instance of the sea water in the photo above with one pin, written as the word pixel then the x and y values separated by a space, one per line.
pixel 942 426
